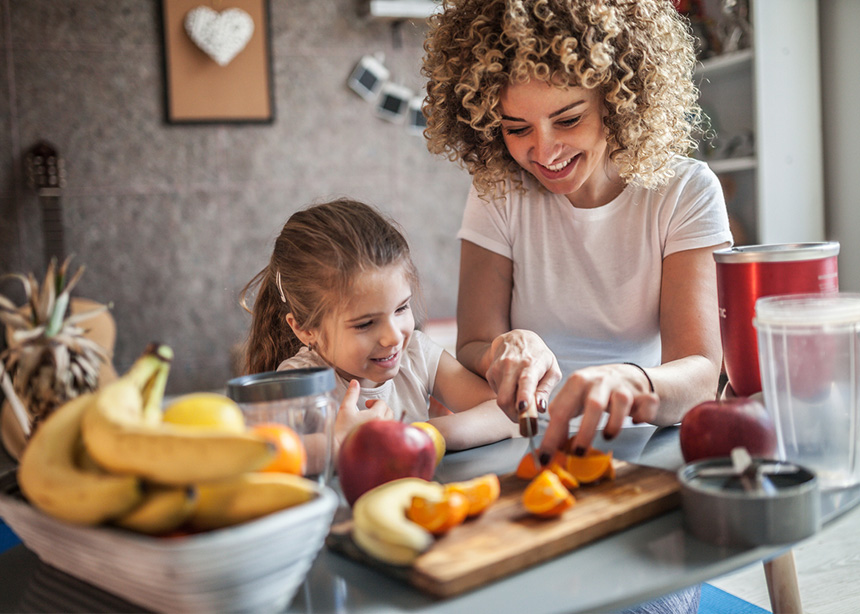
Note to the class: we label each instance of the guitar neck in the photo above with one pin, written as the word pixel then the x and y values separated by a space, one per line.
pixel 53 232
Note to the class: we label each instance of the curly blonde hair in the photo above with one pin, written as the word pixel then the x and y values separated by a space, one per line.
pixel 639 53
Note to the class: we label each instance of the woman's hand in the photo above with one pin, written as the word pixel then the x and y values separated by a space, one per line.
pixel 349 416
pixel 618 389
pixel 522 371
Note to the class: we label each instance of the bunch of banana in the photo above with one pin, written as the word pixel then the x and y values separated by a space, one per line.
pixel 380 526
pixel 108 457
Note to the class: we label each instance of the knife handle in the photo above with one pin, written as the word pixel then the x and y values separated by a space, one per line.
pixel 529 421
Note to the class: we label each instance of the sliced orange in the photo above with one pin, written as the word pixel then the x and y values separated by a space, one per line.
pixel 528 467
pixel 439 517
pixel 557 466
pixel 591 467
pixel 481 492
pixel 546 495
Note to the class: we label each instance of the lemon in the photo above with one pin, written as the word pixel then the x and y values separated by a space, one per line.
pixel 436 436
pixel 206 410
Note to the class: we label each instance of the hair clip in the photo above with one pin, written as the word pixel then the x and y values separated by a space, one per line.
pixel 280 290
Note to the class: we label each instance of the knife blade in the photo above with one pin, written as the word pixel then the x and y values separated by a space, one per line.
pixel 528 420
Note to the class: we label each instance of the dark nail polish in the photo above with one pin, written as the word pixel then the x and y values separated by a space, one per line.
pixel 608 436
pixel 544 458
pixel 579 451
pixel 523 406
pixel 542 405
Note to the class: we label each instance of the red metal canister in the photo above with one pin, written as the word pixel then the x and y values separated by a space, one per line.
pixel 746 273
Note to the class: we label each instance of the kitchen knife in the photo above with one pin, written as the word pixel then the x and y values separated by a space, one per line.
pixel 528 428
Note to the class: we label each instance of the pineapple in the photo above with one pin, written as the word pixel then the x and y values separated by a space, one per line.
pixel 48 358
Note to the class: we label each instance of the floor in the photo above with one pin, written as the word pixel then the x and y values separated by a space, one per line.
pixel 828 570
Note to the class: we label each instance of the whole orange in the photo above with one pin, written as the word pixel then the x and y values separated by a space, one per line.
pixel 290 456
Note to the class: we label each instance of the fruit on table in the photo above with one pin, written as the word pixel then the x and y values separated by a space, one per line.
pixel 206 409
pixel 162 510
pixel 380 451
pixel 248 496
pixel 381 527
pixel 54 483
pixel 590 467
pixel 436 436
pixel 480 492
pixel 290 453
pixel 122 433
pixel 529 467
pixel 714 428
pixel 439 517
pixel 546 496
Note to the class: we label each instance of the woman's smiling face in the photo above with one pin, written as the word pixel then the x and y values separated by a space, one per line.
pixel 557 135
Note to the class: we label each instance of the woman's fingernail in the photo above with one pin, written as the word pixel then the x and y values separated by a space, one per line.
pixel 522 406
pixel 542 405
pixel 579 451
pixel 544 458
pixel 608 436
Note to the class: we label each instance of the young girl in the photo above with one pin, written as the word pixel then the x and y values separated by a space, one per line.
pixel 338 291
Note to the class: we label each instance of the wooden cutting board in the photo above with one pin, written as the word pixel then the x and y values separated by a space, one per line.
pixel 507 539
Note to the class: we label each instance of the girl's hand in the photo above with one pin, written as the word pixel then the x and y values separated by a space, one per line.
pixel 522 371
pixel 349 416
pixel 618 389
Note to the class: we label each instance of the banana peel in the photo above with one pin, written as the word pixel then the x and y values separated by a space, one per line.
pixel 380 525
pixel 247 497
pixel 53 482
pixel 123 433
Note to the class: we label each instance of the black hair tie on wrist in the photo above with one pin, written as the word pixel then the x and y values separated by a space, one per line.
pixel 645 373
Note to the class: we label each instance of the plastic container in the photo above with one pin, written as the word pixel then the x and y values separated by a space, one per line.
pixel 298 398
pixel 747 273
pixel 809 352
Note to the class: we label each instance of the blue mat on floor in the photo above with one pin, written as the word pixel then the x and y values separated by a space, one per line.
pixel 716 601
pixel 7 537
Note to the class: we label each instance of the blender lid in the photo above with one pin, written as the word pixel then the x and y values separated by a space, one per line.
pixel 278 385
pixel 777 252
pixel 806 310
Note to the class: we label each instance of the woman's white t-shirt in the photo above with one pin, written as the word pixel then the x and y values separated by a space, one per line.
pixel 588 280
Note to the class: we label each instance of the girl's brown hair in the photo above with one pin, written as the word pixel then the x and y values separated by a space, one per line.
pixel 319 253
pixel 638 53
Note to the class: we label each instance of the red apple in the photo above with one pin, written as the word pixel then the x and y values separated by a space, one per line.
pixel 713 428
pixel 379 451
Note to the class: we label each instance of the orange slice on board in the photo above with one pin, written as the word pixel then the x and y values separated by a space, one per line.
pixel 591 467
pixel 557 466
pixel 481 492
pixel 528 467
pixel 439 517
pixel 546 495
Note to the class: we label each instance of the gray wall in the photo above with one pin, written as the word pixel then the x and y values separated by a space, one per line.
pixel 171 221
pixel 840 89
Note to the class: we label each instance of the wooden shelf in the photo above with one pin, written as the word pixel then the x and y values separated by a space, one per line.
pixel 732 165
pixel 725 63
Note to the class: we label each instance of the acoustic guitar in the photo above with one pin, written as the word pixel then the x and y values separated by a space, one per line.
pixel 45 172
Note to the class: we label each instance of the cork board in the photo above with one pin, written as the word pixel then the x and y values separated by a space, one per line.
pixel 200 90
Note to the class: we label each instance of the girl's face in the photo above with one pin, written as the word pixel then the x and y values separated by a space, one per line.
pixel 366 339
pixel 558 136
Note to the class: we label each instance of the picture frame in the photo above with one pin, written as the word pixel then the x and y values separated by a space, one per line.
pixel 225 75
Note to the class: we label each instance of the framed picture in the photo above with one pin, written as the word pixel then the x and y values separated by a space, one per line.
pixel 217 61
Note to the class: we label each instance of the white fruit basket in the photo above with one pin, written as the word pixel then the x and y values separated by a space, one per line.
pixel 253 567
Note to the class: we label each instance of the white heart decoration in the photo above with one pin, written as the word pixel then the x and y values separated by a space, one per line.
pixel 220 35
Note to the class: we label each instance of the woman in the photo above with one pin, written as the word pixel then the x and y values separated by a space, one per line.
pixel 587 238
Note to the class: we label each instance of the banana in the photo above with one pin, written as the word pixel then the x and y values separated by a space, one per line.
pixel 248 496
pixel 163 509
pixel 380 525
pixel 123 433
pixel 54 483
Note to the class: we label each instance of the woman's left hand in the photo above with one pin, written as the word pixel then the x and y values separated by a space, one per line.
pixel 617 389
